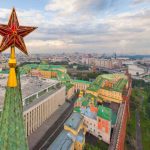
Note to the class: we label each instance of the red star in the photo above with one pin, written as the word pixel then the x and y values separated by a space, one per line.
pixel 13 34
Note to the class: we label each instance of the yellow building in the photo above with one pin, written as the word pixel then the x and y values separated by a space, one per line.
pixel 109 87
pixel 73 135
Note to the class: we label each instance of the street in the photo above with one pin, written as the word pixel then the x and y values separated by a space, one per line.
pixel 54 130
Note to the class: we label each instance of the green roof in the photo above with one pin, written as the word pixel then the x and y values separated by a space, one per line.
pixel 93 87
pixel 147 77
pixel 4 72
pixel 56 67
pixel 12 130
pixel 105 113
pixel 89 96
pixel 118 86
pixel 81 99
pixel 43 67
pixel 77 109
pixel 32 66
pixel 24 69
pixel 82 81
pixel 68 85
pixel 85 103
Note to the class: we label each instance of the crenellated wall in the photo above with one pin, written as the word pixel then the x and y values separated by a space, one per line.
pixel 119 133
pixel 122 131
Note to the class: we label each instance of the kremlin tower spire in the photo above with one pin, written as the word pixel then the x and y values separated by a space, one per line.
pixel 12 131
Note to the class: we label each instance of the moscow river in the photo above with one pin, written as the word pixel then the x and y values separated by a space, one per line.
pixel 133 69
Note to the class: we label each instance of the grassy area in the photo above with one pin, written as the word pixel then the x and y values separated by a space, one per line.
pixel 99 146
pixel 93 143
pixel 145 120
pixel 140 100
pixel 145 127
pixel 130 134
pixel 135 103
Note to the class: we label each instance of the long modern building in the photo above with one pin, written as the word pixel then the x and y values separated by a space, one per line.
pixel 44 104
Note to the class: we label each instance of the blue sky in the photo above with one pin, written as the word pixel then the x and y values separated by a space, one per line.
pixel 103 26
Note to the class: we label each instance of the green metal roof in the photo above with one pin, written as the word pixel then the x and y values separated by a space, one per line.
pixel 32 66
pixel 77 109
pixel 89 96
pixel 24 70
pixel 68 85
pixel 85 103
pixel 82 81
pixel 56 67
pixel 81 99
pixel 12 130
pixel 4 72
pixel 43 67
pixel 118 86
pixel 105 113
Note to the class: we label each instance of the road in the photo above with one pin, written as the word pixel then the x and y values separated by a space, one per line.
pixel 54 130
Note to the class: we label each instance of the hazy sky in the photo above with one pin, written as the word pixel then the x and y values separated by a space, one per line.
pixel 103 26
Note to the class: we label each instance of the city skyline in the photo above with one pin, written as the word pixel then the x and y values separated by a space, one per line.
pixel 81 87
pixel 99 26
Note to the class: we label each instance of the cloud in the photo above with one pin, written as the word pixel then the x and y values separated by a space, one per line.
pixel 140 1
pixel 73 25
pixel 69 7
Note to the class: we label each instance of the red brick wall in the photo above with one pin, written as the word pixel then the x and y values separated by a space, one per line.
pixel 122 132
pixel 126 115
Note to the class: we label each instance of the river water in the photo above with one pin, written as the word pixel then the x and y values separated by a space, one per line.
pixel 133 69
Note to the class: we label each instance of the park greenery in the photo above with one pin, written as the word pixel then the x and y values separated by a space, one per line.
pixel 89 76
pixel 93 143
pixel 140 100
pixel 96 147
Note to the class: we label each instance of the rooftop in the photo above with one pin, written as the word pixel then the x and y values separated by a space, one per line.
pixel 56 66
pixel 87 112
pixel 29 86
pixel 118 80
pixel 80 137
pixel 74 121
pixel 62 142
pixel 41 98
pixel 105 113
pixel 82 81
